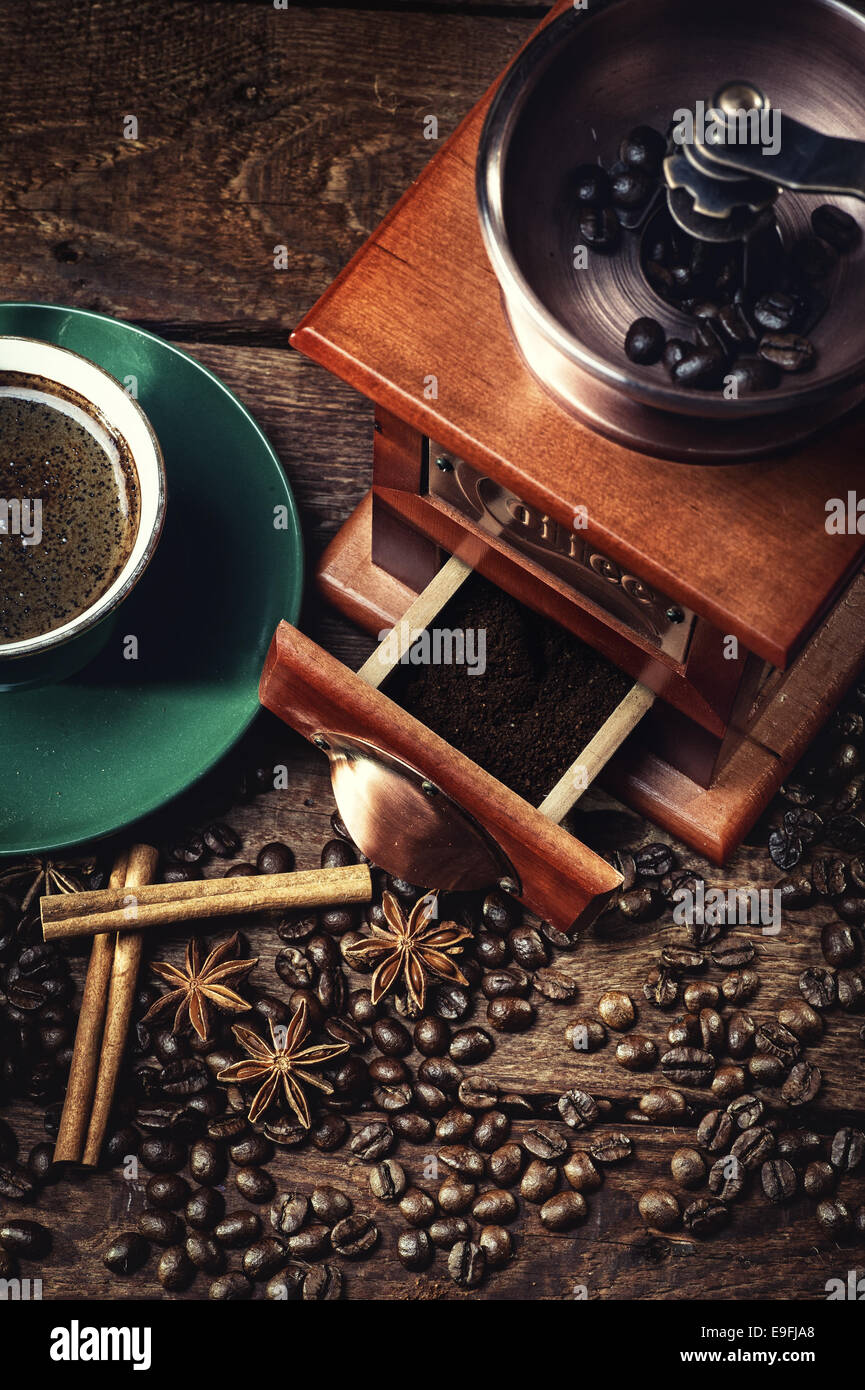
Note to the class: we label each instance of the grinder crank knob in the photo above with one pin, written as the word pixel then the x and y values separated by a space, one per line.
pixel 723 190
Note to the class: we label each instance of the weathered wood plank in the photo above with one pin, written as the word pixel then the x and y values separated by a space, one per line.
pixel 256 129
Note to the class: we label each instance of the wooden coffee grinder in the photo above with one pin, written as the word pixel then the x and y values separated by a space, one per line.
pixel 683 537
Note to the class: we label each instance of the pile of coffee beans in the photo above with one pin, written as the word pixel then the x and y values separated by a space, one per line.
pixel 750 326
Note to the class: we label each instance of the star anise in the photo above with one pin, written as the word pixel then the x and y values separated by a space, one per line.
pixel 44 876
pixel 285 1062
pixel 198 986
pixel 415 947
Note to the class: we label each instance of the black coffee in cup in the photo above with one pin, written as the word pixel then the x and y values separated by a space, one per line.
pixel 69 506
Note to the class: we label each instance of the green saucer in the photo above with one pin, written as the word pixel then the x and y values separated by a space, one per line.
pixel 85 757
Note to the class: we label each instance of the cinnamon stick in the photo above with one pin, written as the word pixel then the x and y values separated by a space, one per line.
pixel 163 904
pixel 88 1039
pixel 128 947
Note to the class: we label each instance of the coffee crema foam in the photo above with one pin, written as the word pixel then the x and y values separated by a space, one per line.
pixel 69 506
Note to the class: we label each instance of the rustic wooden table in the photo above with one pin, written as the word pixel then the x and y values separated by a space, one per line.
pixel 259 127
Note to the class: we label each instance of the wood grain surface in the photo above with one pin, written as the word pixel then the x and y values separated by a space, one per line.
pixel 259 128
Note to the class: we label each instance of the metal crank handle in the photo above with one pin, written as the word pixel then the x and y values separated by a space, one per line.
pixel 805 160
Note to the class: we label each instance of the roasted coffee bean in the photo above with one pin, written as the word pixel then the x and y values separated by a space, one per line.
pixel 779 1042
pixel 354 1237
pixel 684 1030
pixel 510 1015
pixel 387 1180
pixel 563 1211
pixel 430 1099
pixel 829 876
pixel 414 1250
pixel 491 1130
pixel 337 854
pixel 185 1077
pixel 851 989
pixel 578 1109
pixel 798 1145
pixel 712 1030
pixel 415 1129
pixel 40 1163
pixel 716 1130
pixel 162 1154
pixel 255 1184
pixel 167 1192
pixel 636 1053
pixel 323 1283
pixel 496 1206
pixel 330 1204
pixel 277 856
pixel 661 988
pixel 461 1159
pixel 645 338
pixel 688 1167
pixel 702 369
pixel 848 1149
pixel 27 1239
pixel 639 904
pixel 417 1207
pixel 297 927
pixel 766 1070
pixel 293 967
pixel 741 1030
pixel 796 892
pixel 555 984
pixel 506 983
pixel 390 1071
pixel 175 1270
pixel 448 1230
pixel 466 1264
pixel 746 1111
pixel 330 1131
pixel 263 1258
pixel 660 1208
pixel 617 1010
pixel 778 1179
pixel 840 944
pixel 455 1194
pixel 208 1163
pixel 689 1066
pixel 705 1216
pixel 203 1251
pixel 237 1230
pixel 776 311
pixel 470 1045
pixel 818 987
pixel 222 840
pixel 539 1181
pixel 288 1212
pixel 528 948
pixel 591 185
pixel 227 1127
pixel 753 1146
pixel 126 1253
pixel 310 1243
pixel 660 1103
pixel 790 353
pixel 497 1245
pixel 802 1084
pixel 456 1124
pixel 728 1082
pixel 505 1164
pixel 442 1072
pixel 285 1132
pixel 613 1148
pixel 393 1096
pixel 544 1141
pixel 740 985
pixel 432 1036
pixel 251 1149
pixel 819 1178
pixel 391 1037
pixel 834 1217
pixel 836 227
pixel 204 1208
pixel 478 1092
pixel 230 1288
pixel 643 148
pixel 586 1035
pixel 599 228
pixel 726 1178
